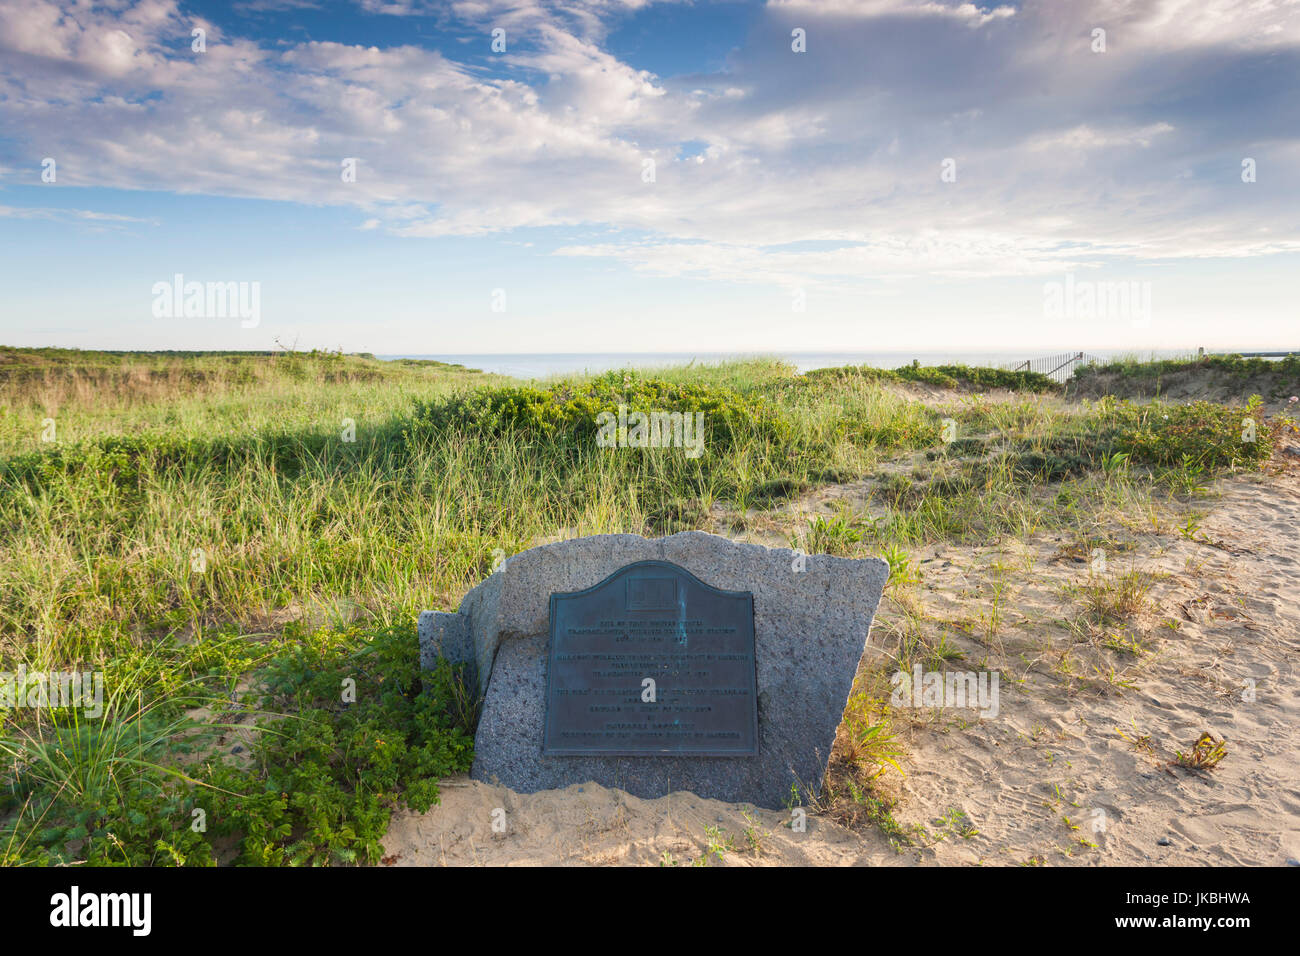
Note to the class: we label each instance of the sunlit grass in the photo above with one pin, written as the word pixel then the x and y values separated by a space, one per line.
pixel 194 518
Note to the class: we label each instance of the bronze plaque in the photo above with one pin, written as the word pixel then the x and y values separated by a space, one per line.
pixel 651 661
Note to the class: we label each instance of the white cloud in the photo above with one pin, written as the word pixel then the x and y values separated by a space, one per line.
pixel 968 12
pixel 1087 138
pixel 70 215
pixel 1063 156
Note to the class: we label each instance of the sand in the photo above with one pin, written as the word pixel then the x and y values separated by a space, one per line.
pixel 1084 736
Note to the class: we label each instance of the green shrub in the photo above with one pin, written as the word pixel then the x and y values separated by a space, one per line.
pixel 324 777
pixel 1201 433
pixel 565 413
pixel 942 376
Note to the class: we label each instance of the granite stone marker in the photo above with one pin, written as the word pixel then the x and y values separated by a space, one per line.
pixel 751 653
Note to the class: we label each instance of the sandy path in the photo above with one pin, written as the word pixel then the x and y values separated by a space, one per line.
pixel 1056 750
pixel 1053 759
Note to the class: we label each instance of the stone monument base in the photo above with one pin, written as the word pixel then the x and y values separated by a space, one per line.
pixel 811 618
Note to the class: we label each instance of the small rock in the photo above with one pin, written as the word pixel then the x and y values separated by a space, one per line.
pixel 1293 862
pixel 1164 841
pixel 236 749
pixel 1292 450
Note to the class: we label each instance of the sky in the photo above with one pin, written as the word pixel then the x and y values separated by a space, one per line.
pixel 478 176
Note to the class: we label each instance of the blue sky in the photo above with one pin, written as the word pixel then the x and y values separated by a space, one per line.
pixel 798 199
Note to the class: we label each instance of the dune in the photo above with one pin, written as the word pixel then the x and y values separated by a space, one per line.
pixel 1079 767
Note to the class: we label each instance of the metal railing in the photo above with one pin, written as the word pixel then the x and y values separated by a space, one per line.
pixel 1061 367
pixel 1058 367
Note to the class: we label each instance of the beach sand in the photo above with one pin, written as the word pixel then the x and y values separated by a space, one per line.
pixel 1080 752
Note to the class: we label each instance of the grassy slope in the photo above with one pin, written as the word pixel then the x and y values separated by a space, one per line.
pixel 242 464
pixel 1215 376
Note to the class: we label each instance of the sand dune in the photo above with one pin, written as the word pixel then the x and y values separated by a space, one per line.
pixel 1079 754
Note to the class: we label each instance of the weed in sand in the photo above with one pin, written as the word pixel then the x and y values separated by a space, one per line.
pixel 1204 755
pixel 1116 597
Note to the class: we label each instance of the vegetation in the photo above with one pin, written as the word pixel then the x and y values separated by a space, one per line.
pixel 1204 755
pixel 342 727
pixel 1274 379
pixel 1236 365
pixel 240 543
pixel 942 376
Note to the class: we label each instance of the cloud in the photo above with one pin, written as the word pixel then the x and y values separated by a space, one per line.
pixel 1063 156
pixel 70 215
pixel 969 13
pixel 1084 137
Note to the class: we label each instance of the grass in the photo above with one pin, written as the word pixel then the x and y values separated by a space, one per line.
pixel 1115 598
pixel 230 536
pixel 1205 754
pixel 1273 378
pixel 1231 364
pixel 942 376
